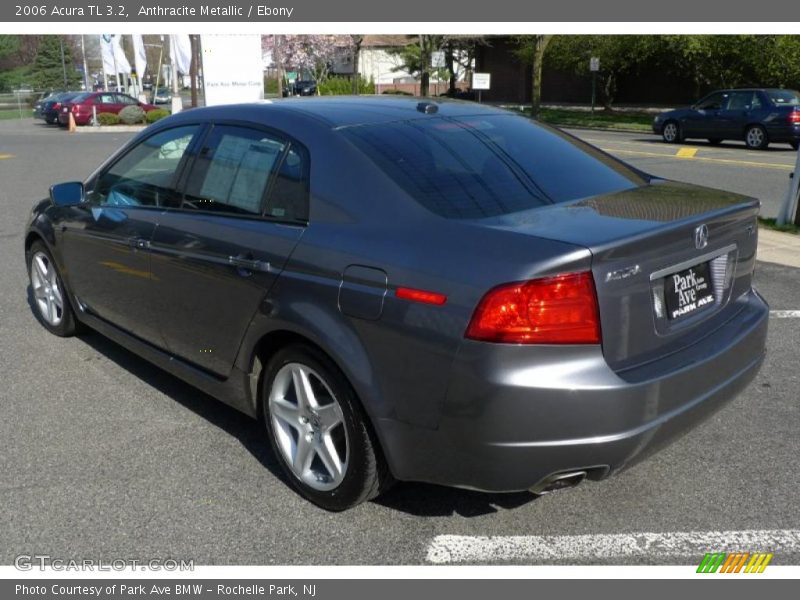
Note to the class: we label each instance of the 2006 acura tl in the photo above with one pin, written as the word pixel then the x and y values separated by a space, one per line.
pixel 431 291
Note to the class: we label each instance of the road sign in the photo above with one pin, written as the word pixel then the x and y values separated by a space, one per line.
pixel 481 81
pixel 437 59
pixel 594 64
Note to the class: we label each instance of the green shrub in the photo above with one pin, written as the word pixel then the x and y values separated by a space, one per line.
pixel 270 85
pixel 397 92
pixel 107 119
pixel 343 86
pixel 156 115
pixel 131 115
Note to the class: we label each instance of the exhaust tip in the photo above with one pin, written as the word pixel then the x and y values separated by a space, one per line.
pixel 558 482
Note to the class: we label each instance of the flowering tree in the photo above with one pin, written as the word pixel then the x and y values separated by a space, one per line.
pixel 313 54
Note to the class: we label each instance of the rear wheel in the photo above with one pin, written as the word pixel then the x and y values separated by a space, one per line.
pixel 756 137
pixel 319 432
pixel 671 132
pixel 49 297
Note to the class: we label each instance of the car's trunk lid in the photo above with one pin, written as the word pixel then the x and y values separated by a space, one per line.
pixel 649 265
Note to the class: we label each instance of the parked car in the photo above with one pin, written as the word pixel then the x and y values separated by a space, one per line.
pixel 412 290
pixel 163 95
pixel 307 87
pixel 85 105
pixel 52 105
pixel 757 116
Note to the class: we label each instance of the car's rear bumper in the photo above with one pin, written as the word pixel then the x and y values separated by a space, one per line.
pixel 516 415
pixel 784 133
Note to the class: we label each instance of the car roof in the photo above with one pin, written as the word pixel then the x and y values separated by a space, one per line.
pixel 346 111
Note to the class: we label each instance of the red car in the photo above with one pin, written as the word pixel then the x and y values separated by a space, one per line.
pixel 84 106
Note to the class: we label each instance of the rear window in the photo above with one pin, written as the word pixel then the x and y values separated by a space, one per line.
pixel 784 97
pixel 484 166
pixel 81 97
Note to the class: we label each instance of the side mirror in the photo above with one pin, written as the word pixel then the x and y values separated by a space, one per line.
pixel 67 194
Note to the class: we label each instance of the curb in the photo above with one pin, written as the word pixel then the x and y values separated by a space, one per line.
pixel 586 128
pixel 778 247
pixel 111 129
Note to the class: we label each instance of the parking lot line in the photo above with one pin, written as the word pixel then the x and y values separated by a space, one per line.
pixel 686 153
pixel 785 314
pixel 727 161
pixel 451 549
pixel 2 156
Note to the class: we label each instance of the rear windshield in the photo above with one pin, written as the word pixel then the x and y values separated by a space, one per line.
pixel 81 97
pixel 784 97
pixel 484 166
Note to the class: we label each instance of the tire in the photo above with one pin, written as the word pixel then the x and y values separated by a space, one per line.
pixel 715 141
pixel 755 137
pixel 51 302
pixel 322 438
pixel 671 132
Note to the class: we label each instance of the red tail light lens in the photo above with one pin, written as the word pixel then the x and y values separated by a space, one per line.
pixel 75 108
pixel 422 296
pixel 794 117
pixel 57 106
pixel 553 310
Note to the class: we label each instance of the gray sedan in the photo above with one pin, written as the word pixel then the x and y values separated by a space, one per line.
pixel 410 290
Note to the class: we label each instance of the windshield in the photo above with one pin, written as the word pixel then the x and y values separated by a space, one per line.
pixel 484 166
pixel 81 97
pixel 784 97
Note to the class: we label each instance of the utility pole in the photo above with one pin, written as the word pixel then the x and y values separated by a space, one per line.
pixel 85 68
pixel 63 61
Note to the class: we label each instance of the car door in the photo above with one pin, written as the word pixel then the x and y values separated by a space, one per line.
pixel 216 254
pixel 105 242
pixel 701 120
pixel 737 114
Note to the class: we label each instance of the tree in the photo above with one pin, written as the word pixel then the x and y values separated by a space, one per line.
pixel 311 54
pixel 49 72
pixel 618 54
pixel 531 49
pixel 355 50
pixel 415 58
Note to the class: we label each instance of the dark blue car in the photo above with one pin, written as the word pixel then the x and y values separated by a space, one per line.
pixel 757 116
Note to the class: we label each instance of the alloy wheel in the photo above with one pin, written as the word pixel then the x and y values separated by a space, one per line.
pixel 309 428
pixel 46 289
pixel 755 137
pixel 670 132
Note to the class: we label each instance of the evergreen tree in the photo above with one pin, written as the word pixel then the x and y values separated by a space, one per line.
pixel 48 70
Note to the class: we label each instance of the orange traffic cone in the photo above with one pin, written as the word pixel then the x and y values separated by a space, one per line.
pixel 72 128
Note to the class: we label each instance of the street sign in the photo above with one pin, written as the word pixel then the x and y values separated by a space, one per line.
pixel 594 64
pixel 481 81
pixel 437 59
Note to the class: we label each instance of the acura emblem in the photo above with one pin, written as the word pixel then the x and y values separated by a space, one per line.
pixel 701 237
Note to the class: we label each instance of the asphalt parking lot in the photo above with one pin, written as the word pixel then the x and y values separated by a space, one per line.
pixel 104 456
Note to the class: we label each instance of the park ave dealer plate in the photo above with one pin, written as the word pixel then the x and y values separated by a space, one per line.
pixel 687 291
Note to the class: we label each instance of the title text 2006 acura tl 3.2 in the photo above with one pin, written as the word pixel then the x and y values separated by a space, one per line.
pixel 411 290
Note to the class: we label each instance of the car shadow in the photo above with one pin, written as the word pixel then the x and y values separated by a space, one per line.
pixel 418 499
pixel 427 500
pixel 699 143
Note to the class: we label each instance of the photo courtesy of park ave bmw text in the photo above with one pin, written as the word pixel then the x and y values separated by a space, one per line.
pixel 332 300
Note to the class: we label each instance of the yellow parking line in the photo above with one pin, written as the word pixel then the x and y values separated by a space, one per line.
pixel 686 153
pixel 748 163
pixel 2 156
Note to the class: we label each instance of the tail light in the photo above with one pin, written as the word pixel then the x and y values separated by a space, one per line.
pixel 794 117
pixel 553 310
pixel 74 108
pixel 57 106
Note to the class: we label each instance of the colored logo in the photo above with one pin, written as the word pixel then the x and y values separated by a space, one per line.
pixel 734 562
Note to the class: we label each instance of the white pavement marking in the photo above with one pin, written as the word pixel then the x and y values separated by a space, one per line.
pixel 449 549
pixel 785 314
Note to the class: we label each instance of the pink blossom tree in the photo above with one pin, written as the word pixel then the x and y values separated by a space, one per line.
pixel 312 54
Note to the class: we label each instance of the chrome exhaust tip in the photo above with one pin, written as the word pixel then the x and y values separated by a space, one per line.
pixel 558 482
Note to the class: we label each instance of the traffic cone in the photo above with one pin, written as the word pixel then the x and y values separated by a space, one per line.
pixel 72 128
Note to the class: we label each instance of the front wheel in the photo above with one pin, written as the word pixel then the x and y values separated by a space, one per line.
pixel 49 297
pixel 671 132
pixel 319 432
pixel 756 137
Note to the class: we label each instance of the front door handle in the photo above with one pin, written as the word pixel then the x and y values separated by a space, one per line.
pixel 246 264
pixel 138 243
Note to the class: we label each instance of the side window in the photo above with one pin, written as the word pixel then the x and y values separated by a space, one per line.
pixel 123 99
pixel 288 198
pixel 144 176
pixel 756 101
pixel 232 171
pixel 105 99
pixel 713 102
pixel 741 101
